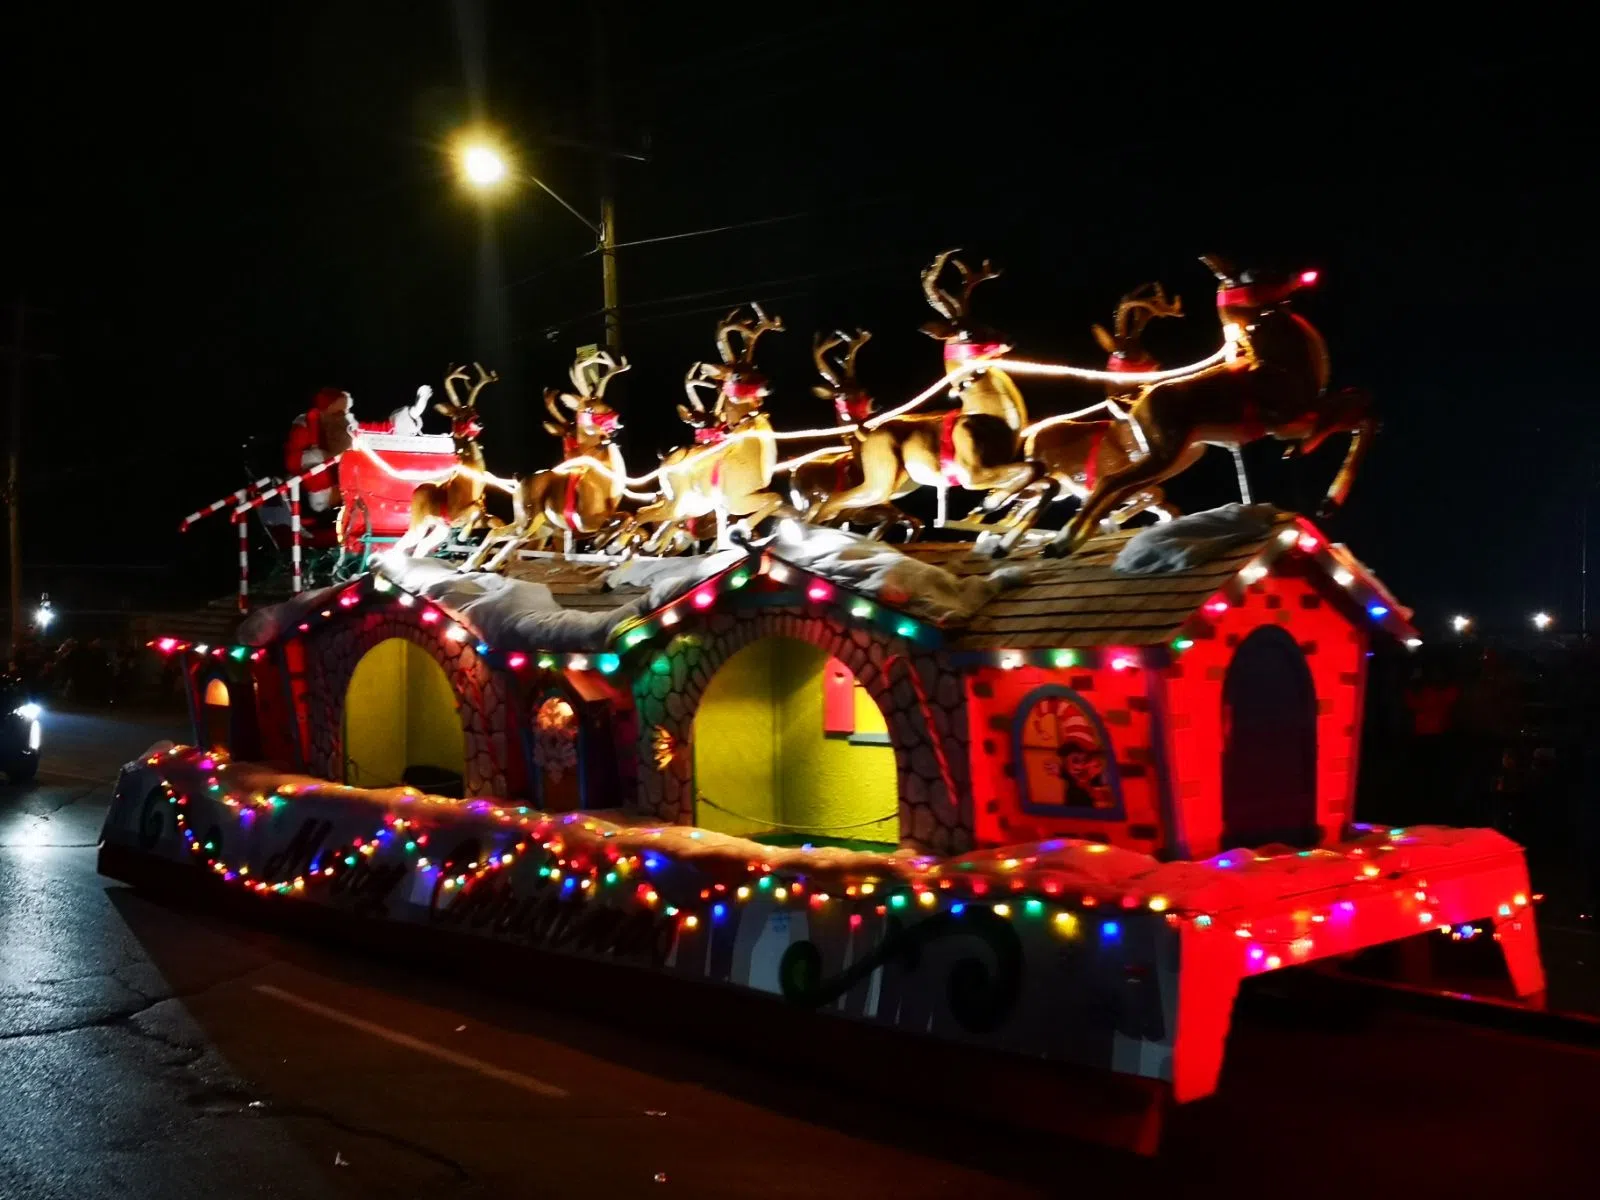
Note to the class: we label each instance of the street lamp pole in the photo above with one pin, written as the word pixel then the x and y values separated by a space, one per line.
pixel 484 168
pixel 605 178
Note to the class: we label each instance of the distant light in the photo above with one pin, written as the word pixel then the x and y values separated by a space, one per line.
pixel 483 166
pixel 1413 643
pixel 1343 578
pixel 1307 278
pixel 704 598
pixel 1542 621
pixel 1460 623
pixel 1308 542
pixel 457 634
pixel 1110 931
pixel 1122 662
pixel 1377 611
pixel 516 660
pixel 819 591
pixel 44 614
pixel 1216 607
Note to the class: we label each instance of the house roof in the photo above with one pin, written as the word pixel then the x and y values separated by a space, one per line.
pixel 1081 600
pixel 576 585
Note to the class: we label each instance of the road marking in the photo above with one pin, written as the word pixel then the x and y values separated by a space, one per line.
pixel 515 1078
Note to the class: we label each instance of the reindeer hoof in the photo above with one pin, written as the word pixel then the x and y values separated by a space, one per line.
pixel 989 544
pixel 993 502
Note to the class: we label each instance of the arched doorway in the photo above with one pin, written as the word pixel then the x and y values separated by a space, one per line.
pixel 216 715
pixel 1269 755
pixel 558 755
pixel 401 723
pixel 789 748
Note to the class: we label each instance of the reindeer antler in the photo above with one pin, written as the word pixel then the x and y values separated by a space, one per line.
pixel 943 302
pixel 454 375
pixel 696 377
pixel 854 344
pixel 485 378
pixel 1142 305
pixel 593 387
pixel 820 346
pixel 749 329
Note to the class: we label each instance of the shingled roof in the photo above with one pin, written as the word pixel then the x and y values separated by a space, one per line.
pixel 1081 600
pixel 574 584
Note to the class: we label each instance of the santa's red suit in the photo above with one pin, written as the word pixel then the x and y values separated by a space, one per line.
pixel 306 447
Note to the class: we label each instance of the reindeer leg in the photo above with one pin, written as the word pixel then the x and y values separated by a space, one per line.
pixel 880 471
pixel 1109 494
pixel 1339 489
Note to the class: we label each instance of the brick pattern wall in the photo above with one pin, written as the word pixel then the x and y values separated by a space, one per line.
pixel 334 648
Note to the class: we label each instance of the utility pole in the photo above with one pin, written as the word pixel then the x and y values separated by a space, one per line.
pixel 20 357
pixel 605 176
pixel 19 352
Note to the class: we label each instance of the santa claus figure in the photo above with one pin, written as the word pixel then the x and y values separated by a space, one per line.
pixel 318 435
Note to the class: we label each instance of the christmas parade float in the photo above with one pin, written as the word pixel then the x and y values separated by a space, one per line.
pixel 1056 794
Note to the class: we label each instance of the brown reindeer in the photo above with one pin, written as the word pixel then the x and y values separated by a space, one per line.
pixel 1077 454
pixel 976 446
pixel 580 500
pixel 729 467
pixel 1276 385
pixel 454 504
pixel 812 482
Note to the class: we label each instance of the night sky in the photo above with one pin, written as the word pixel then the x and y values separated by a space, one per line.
pixel 222 215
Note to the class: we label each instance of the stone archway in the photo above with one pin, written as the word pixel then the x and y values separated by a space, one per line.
pixel 334 649
pixel 927 724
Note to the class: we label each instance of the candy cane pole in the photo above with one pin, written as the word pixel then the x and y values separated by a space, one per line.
pixel 242 521
pixel 294 533
pixel 233 498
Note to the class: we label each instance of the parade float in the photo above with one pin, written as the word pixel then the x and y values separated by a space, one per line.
pixel 1051 794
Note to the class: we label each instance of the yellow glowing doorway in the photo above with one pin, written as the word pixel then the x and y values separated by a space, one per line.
pixel 765 766
pixel 400 713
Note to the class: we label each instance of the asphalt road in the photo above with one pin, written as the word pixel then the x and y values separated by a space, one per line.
pixel 152 1050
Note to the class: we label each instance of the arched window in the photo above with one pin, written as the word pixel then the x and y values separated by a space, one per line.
pixel 1066 765
pixel 216 715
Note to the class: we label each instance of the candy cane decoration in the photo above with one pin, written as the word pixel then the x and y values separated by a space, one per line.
pixel 261 498
pixel 294 534
pixel 234 498
pixel 244 557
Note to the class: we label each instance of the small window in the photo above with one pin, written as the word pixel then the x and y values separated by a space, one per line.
pixel 1065 763
pixel 216 716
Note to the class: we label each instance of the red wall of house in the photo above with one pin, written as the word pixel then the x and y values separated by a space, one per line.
pixel 1120 699
pixel 1335 651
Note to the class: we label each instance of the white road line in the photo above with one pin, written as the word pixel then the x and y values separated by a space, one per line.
pixel 515 1078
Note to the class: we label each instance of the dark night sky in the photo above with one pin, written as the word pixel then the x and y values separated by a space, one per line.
pixel 223 215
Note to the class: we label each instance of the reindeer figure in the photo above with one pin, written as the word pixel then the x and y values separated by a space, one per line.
pixel 580 500
pixel 729 467
pixel 812 482
pixel 456 502
pixel 1275 385
pixel 976 446
pixel 1079 453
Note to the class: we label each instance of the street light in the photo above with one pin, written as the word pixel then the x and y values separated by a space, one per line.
pixel 1542 621
pixel 485 168
pixel 1460 624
